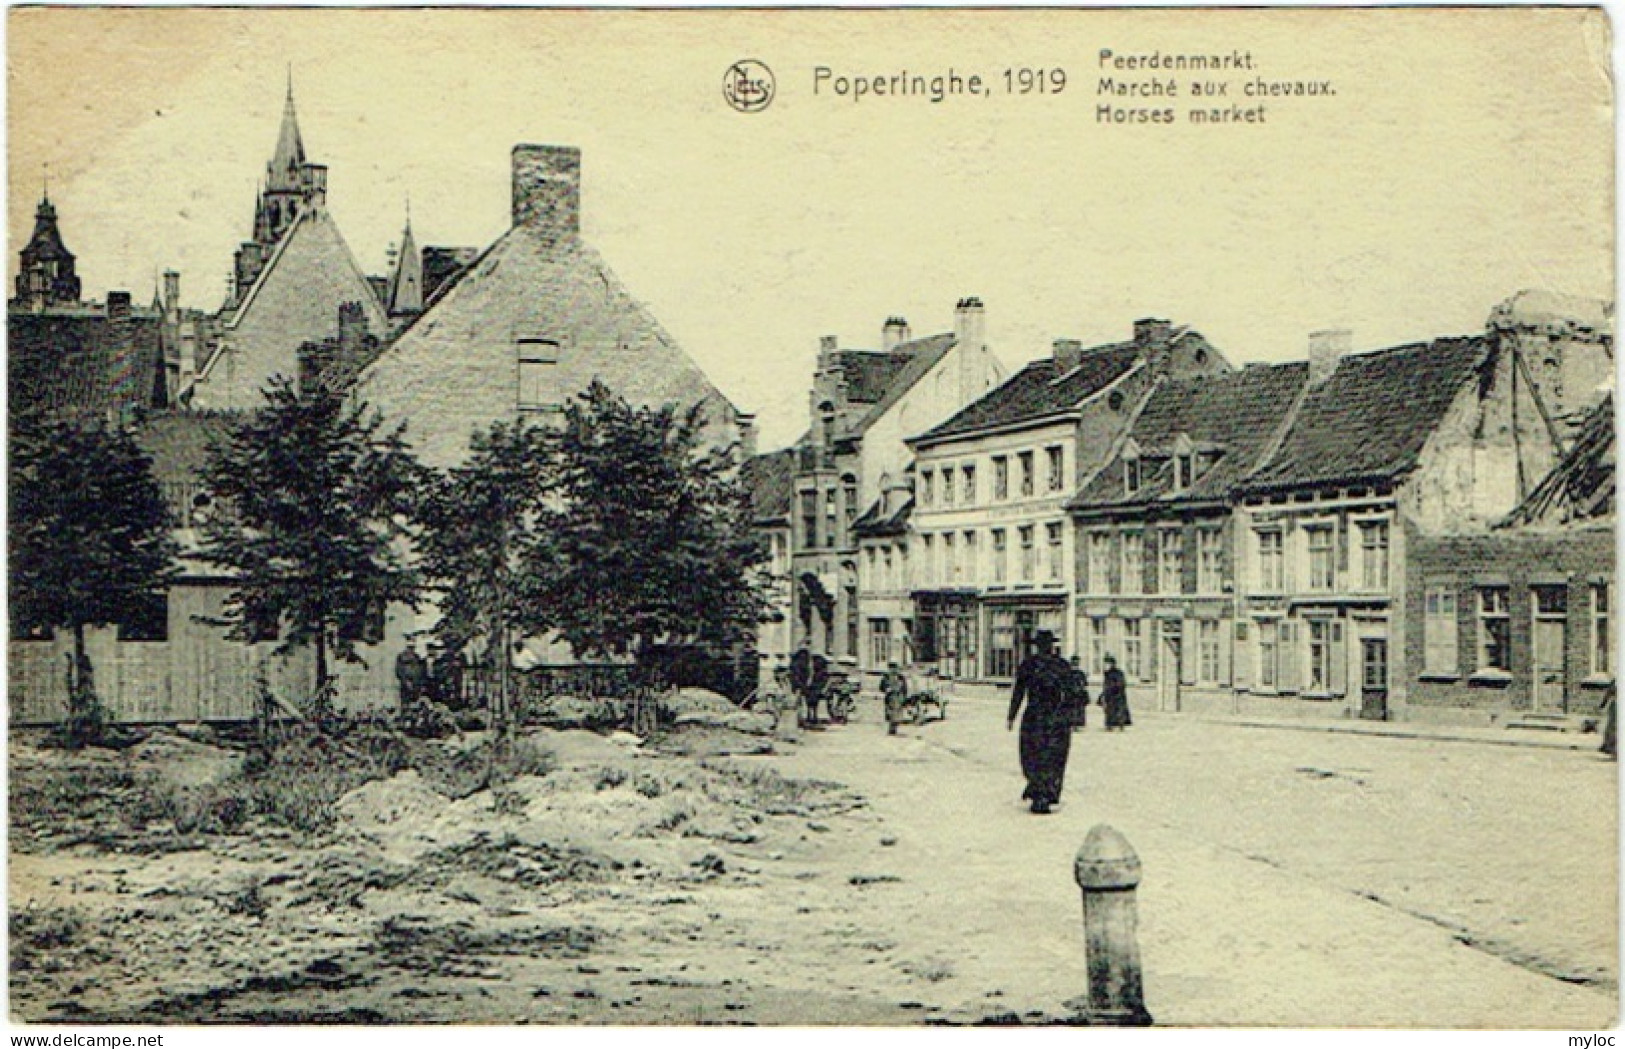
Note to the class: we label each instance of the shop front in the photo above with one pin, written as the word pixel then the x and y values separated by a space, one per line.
pixel 1011 625
pixel 945 632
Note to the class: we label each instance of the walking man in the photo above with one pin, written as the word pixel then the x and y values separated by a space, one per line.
pixel 894 690
pixel 1044 682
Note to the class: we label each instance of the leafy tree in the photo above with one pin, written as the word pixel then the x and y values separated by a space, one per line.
pixel 89 537
pixel 483 526
pixel 651 539
pixel 319 502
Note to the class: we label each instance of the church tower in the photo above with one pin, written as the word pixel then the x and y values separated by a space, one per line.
pixel 292 186
pixel 406 282
pixel 46 276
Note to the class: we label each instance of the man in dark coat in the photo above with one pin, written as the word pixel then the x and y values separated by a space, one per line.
pixel 410 674
pixel 1114 696
pixel 1045 682
pixel 1080 696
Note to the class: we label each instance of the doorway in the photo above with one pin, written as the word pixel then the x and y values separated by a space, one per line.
pixel 1550 642
pixel 1374 678
pixel 1168 664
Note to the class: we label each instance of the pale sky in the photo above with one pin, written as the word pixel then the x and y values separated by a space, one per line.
pixel 1466 155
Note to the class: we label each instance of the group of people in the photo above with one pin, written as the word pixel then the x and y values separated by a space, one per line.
pixel 1055 694
pixel 437 677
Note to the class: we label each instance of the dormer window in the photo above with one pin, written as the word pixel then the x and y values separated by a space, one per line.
pixel 1131 468
pixel 1184 471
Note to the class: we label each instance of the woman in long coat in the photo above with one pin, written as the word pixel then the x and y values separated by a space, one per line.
pixel 1044 682
pixel 1114 696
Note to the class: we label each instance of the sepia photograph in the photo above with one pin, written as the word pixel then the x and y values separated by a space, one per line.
pixel 864 518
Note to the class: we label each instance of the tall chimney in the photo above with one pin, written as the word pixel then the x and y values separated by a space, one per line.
pixel 747 436
pixel 547 191
pixel 172 292
pixel 1325 347
pixel 970 324
pixel 352 329
pixel 118 305
pixel 1152 332
pixel 1068 355
pixel 894 334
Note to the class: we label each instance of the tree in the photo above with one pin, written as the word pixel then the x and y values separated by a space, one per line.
pixel 90 539
pixel 651 538
pixel 319 504
pixel 482 527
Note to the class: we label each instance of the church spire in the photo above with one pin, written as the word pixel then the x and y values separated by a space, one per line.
pixel 406 283
pixel 284 170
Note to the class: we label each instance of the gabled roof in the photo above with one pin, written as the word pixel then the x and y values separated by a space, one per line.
pixel 868 373
pixel 84 363
pixel 920 356
pixel 874 524
pixel 1038 392
pixel 1371 418
pixel 1227 421
pixel 452 370
pixel 770 480
pixel 1580 487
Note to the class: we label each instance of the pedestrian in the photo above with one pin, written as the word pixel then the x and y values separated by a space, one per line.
pixel 817 685
pixel 1080 696
pixel 1044 683
pixel 1610 726
pixel 894 691
pixel 1114 696
pixel 409 674
pixel 801 678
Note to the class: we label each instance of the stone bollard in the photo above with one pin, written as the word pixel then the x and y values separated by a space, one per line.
pixel 1108 871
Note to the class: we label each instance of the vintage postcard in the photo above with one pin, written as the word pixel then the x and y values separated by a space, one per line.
pixel 812 517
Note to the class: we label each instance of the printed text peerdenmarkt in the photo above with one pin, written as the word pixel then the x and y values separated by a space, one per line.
pixel 1175 61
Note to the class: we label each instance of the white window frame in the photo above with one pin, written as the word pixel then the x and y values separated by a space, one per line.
pixel 1441 630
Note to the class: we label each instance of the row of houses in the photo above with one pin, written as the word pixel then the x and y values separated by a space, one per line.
pixel 1398 533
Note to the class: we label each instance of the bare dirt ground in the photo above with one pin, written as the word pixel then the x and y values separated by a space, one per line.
pixel 724 876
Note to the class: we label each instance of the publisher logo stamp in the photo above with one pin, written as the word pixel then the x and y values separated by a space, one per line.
pixel 748 86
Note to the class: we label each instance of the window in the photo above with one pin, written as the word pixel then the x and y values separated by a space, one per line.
pixel 849 503
pixel 928 480
pixel 879 642
pixel 947 486
pixel 1182 478
pixel 1321 563
pixel 1269 654
pixel 829 517
pixel 1097 645
pixel 1131 474
pixel 1026 459
pixel 1494 630
pixel 1271 563
pixel 1320 655
pixel 1056 454
pixel 1439 639
pixel 1171 561
pixel 809 519
pixel 539 375
pixel 967 475
pixel 950 559
pixel 888 570
pixel 1374 555
pixel 851 622
pixel 1029 556
pixel 999 566
pixel 905 580
pixel 1100 561
pixel 1207 651
pixel 871 581
pixel 928 564
pixel 968 540
pixel 1209 561
pixel 1133 562
pixel 1133 650
pixel 1001 477
pixel 1602 638
pixel 1052 539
